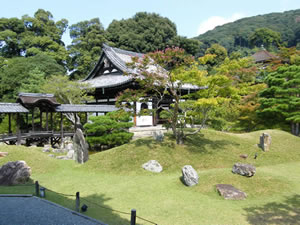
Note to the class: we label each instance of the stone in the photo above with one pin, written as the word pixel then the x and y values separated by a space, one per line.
pixel 58 150
pixel 71 154
pixel 265 141
pixel 3 154
pixel 152 166
pixel 244 169
pixel 51 155
pixel 63 157
pixel 190 176
pixel 69 146
pixel 244 156
pixel 12 173
pixel 46 149
pixel 80 147
pixel 230 192
pixel 158 135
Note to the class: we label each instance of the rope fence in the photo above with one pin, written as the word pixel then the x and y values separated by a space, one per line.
pixel 40 191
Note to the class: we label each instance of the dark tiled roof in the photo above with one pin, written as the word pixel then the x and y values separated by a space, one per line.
pixel 65 108
pixel 263 56
pixel 110 80
pixel 34 98
pixel 120 57
pixel 12 108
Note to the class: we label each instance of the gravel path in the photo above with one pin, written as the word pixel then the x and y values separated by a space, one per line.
pixel 36 211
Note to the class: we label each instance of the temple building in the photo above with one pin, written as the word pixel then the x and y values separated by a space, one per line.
pixel 109 79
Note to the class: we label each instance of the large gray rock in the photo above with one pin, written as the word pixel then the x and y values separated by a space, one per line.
pixel 190 176
pixel 265 141
pixel 71 154
pixel 12 173
pixel 152 166
pixel 244 169
pixel 230 192
pixel 158 135
pixel 80 147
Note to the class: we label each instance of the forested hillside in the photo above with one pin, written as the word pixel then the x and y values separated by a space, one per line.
pixel 239 34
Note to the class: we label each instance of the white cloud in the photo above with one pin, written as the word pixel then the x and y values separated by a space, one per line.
pixel 214 21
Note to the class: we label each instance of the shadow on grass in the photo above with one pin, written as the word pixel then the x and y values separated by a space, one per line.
pixel 199 144
pixel 169 142
pixel 286 212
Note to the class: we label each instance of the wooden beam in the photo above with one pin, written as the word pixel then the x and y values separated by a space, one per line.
pixel 32 119
pixel 51 120
pixel 41 119
pixel 27 121
pixel 47 120
pixel 61 128
pixel 9 123
pixel 75 125
pixel 18 130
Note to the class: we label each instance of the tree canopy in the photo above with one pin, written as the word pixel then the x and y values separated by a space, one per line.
pixel 236 35
pixel 85 49
pixel 144 32
pixel 31 36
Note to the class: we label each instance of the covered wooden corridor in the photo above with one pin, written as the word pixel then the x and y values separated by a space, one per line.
pixel 45 107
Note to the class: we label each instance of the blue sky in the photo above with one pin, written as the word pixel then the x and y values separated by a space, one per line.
pixel 191 17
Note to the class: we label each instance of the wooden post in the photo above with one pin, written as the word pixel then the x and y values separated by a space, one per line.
pixel 41 119
pixel 61 128
pixel 9 124
pixel 51 120
pixel 47 120
pixel 37 189
pixel 133 217
pixel 27 125
pixel 86 117
pixel 77 203
pixel 18 130
pixel 32 119
pixel 75 125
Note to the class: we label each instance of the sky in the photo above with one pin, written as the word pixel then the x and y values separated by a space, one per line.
pixel 192 17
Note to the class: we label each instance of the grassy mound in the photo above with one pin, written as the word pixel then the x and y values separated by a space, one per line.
pixel 114 179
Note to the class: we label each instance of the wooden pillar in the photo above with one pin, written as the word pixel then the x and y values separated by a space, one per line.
pixel 27 121
pixel 51 120
pixel 9 123
pixel 18 130
pixel 41 119
pixel 32 119
pixel 86 117
pixel 61 128
pixel 75 125
pixel 47 120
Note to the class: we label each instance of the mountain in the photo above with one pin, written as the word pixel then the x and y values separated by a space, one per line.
pixel 235 35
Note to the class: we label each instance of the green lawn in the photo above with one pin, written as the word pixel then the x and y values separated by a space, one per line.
pixel 114 179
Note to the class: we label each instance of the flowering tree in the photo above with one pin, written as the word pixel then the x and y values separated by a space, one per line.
pixel 168 74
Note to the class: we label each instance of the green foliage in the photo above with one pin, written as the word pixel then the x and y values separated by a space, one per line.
pixel 145 32
pixel 266 37
pixel 87 39
pixel 31 36
pixel 110 130
pixel 26 74
pixel 280 102
pixel 4 124
pixel 235 36
pixel 164 74
pixel 220 54
pixel 67 91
